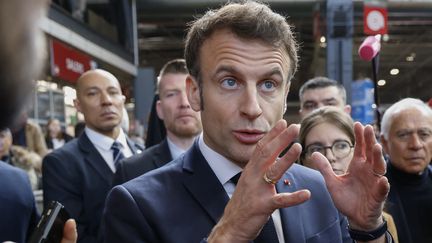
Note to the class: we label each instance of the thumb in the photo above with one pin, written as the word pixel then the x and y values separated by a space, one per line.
pixel 70 234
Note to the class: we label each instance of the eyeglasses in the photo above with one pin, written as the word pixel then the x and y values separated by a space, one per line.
pixel 340 149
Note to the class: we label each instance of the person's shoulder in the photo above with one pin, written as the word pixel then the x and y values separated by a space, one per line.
pixel 164 176
pixel 13 175
pixel 9 169
pixel 67 151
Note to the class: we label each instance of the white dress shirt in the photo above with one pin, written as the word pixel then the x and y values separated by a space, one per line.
pixel 175 150
pixel 225 170
pixel 103 145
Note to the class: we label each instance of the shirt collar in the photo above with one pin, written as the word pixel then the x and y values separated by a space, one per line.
pixel 221 166
pixel 175 150
pixel 105 142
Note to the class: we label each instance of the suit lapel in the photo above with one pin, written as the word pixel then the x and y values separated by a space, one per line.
pixel 135 148
pixel 93 158
pixel 198 178
pixel 292 222
pixel 162 155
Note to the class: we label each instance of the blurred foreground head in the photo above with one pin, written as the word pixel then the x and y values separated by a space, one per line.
pixel 21 54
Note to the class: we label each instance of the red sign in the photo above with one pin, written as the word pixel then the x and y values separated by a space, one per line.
pixel 67 63
pixel 374 20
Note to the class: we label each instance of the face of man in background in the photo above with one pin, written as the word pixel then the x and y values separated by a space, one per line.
pixel 100 99
pixel 174 109
pixel 5 142
pixel 313 99
pixel 409 141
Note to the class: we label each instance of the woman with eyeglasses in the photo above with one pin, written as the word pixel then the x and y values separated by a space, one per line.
pixel 330 131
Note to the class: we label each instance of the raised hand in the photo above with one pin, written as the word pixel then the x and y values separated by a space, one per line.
pixel 361 192
pixel 255 198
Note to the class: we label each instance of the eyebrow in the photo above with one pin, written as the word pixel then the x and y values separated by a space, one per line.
pixel 229 69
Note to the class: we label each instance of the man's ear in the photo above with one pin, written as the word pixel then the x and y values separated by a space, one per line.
pixel 193 93
pixel 347 109
pixel 287 88
pixel 384 143
pixel 159 110
pixel 77 105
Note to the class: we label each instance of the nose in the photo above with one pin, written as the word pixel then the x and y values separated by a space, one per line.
pixel 415 142
pixel 106 98
pixel 250 105
pixel 184 101
pixel 329 155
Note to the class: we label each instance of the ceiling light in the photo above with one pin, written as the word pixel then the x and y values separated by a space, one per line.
pixel 394 71
pixel 322 39
pixel 411 57
pixel 381 82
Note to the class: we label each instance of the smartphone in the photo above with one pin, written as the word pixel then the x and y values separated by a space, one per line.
pixel 50 226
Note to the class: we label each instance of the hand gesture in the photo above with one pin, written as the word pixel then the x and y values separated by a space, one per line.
pixel 360 193
pixel 255 197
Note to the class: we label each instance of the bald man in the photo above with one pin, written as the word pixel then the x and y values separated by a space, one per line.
pixel 79 175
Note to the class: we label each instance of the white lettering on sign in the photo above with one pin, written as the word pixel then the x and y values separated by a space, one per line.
pixel 74 66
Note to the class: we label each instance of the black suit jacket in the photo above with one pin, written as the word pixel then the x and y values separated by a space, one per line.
pixel 77 176
pixel 152 158
pixel 18 214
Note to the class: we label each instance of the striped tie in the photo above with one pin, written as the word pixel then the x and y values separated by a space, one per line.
pixel 117 153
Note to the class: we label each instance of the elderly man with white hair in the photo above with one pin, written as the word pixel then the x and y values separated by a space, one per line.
pixel 406 137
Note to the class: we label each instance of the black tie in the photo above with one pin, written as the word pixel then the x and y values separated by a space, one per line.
pixel 268 233
pixel 117 153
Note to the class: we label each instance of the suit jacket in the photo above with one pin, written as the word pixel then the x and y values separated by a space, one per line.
pixel 183 200
pixel 134 166
pixel 77 176
pixel 17 205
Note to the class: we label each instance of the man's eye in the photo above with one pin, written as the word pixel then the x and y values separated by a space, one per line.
pixel 229 83
pixel 268 86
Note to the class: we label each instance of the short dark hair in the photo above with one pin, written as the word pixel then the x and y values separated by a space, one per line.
pixel 322 82
pixel 249 20
pixel 174 67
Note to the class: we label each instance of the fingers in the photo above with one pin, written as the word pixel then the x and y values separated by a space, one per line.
pixel 69 232
pixel 358 148
pixel 323 166
pixel 269 147
pixel 277 169
pixel 379 165
pixel 283 200
pixel 370 141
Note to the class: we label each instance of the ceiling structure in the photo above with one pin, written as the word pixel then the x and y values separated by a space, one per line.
pixel 162 27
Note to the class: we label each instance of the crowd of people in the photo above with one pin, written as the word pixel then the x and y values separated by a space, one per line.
pixel 228 167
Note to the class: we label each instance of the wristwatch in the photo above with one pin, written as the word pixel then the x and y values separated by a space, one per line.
pixel 358 235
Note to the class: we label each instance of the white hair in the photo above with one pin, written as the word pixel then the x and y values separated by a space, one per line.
pixel 404 104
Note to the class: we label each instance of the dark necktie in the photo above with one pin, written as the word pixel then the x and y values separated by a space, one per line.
pixel 117 153
pixel 268 233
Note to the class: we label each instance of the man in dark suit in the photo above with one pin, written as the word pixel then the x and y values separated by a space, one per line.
pixel 241 59
pixel 79 174
pixel 22 61
pixel 182 124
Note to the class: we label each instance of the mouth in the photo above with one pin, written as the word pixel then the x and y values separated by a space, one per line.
pixel 248 136
pixel 415 159
pixel 108 114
